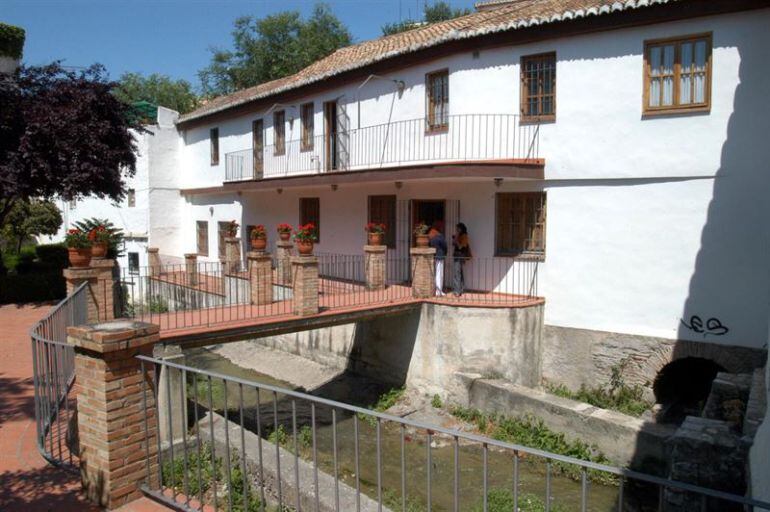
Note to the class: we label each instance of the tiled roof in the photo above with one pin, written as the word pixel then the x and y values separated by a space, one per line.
pixel 519 14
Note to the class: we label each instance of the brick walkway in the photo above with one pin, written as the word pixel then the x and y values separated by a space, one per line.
pixel 27 482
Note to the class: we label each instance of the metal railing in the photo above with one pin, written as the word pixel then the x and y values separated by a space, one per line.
pixel 497 281
pixel 53 363
pixel 250 446
pixel 466 138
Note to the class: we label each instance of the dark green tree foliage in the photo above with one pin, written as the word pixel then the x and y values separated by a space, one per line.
pixel 28 219
pixel 157 89
pixel 433 13
pixel 268 48
pixel 11 41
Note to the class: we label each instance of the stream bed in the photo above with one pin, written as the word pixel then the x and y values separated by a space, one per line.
pixel 361 391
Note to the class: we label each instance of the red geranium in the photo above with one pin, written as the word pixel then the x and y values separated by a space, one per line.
pixel 284 228
pixel 375 227
pixel 306 233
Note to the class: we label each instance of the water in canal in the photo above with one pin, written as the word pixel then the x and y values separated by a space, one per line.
pixel 565 492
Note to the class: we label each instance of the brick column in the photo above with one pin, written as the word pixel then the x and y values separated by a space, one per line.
pixel 423 272
pixel 374 264
pixel 305 284
pixel 111 394
pixel 105 289
pixel 153 261
pixel 232 254
pixel 283 261
pixel 75 277
pixel 260 277
pixel 191 269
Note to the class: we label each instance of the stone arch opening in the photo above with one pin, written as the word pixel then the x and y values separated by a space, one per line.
pixel 683 385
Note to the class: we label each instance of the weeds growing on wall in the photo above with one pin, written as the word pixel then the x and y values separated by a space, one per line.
pixel 617 395
pixel 384 402
pixel 532 432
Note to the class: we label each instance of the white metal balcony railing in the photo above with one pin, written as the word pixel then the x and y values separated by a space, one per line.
pixel 465 137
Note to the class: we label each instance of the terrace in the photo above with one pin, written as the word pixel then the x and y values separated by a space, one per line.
pixel 464 139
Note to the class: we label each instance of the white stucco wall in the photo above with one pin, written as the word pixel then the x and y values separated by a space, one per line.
pixel 650 221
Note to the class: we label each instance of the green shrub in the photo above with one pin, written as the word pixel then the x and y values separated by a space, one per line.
pixel 436 402
pixel 35 287
pixel 11 41
pixel 305 436
pixel 384 402
pixel 279 436
pixel 52 256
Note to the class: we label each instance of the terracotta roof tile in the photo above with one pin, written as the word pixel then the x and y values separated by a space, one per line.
pixel 519 14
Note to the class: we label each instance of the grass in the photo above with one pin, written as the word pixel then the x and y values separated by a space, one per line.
pixel 616 395
pixel 532 432
pixel 436 402
pixel 384 402
pixel 501 500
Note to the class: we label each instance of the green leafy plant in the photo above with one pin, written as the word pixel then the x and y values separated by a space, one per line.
pixel 501 500
pixel 279 436
pixel 436 402
pixel 77 239
pixel 157 304
pixel 384 402
pixel 115 238
pixel 305 436
pixel 421 229
pixel 306 233
pixel 11 41
pixel 258 232
pixel 616 395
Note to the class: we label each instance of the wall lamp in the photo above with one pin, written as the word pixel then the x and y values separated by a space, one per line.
pixel 498 182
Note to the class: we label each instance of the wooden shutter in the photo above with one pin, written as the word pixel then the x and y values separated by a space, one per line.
pixel 306 113
pixel 437 99
pixel 257 144
pixel 382 209
pixel 538 87
pixel 214 138
pixel 310 211
pixel 202 232
pixel 279 132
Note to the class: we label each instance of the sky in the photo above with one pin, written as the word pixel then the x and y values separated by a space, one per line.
pixel 172 37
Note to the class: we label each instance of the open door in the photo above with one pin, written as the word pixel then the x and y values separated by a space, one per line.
pixel 258 146
pixel 330 136
pixel 343 136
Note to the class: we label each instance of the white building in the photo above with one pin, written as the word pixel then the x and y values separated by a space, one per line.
pixel 145 207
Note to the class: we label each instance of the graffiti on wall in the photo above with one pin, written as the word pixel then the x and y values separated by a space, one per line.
pixel 713 326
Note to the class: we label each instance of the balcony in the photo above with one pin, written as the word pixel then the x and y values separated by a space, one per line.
pixel 466 138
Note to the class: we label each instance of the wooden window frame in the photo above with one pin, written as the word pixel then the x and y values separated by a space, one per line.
pixel 390 227
pixel 430 125
pixel 279 119
pixel 308 128
pixel 205 251
pixel 214 145
pixel 524 95
pixel 317 221
pixel 539 254
pixel 133 269
pixel 257 146
pixel 676 108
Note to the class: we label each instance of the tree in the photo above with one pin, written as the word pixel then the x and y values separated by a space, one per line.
pixel 62 134
pixel 273 47
pixel 28 219
pixel 439 11
pixel 157 89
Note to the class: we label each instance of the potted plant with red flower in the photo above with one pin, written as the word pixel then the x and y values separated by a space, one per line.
pixel 304 237
pixel 421 234
pixel 284 231
pixel 78 247
pixel 258 238
pixel 376 231
pixel 100 241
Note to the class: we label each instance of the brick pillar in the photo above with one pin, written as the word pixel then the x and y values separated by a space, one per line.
pixel 232 254
pixel 191 269
pixel 305 284
pixel 94 303
pixel 105 289
pixel 153 261
pixel 111 392
pixel 283 261
pixel 260 277
pixel 374 261
pixel 423 270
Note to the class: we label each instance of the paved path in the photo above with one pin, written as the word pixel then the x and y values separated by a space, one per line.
pixel 27 482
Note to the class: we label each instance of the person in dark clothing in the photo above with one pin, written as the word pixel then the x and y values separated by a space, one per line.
pixel 438 242
pixel 461 255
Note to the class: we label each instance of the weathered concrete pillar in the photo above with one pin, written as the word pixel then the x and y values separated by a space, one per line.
pixel 116 432
pixel 172 395
pixel 305 285
pixel 283 261
pixel 191 269
pixel 260 277
pixel 105 289
pixel 423 269
pixel 232 255
pixel 77 276
pixel 375 266
pixel 153 261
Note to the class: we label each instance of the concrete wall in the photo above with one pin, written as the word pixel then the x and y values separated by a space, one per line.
pixel 425 348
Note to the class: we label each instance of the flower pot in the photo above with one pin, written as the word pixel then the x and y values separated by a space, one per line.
pixel 421 240
pixel 304 248
pixel 375 238
pixel 99 250
pixel 79 257
pixel 285 236
pixel 258 244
